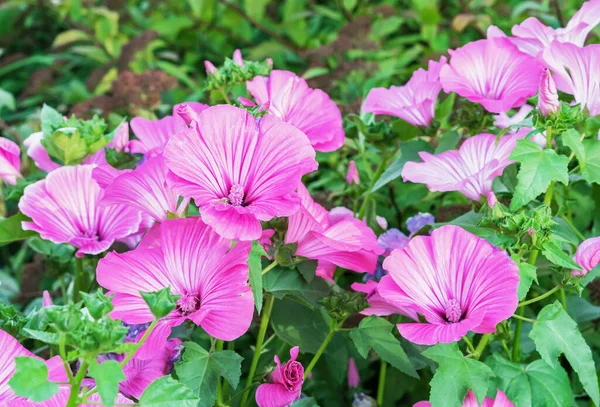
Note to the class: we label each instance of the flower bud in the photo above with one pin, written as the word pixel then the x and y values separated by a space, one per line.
pixel 548 97
pixel 188 114
pixel 210 68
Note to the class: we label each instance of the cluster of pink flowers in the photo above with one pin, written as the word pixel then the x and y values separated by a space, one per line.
pixel 242 171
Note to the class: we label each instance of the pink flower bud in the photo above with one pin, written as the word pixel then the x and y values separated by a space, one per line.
pixel 285 383
pixel 352 175
pixel 353 376
pixel 491 199
pixel 237 58
pixel 548 97
pixel 188 114
pixel 210 68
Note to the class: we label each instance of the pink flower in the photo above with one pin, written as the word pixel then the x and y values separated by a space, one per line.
pixel 10 161
pixel 11 348
pixel 502 120
pixel 377 305
pixel 285 383
pixel 144 189
pixel 352 175
pixel 493 73
pixel 587 255
pixel 353 375
pixel 210 68
pixel 196 263
pixel 413 102
pixel 471 401
pixel 239 171
pixel 457 281
pixel 332 240
pixel 46 299
pixel 575 72
pixel 548 96
pixel 531 36
pixel 64 208
pixel 185 111
pixel 153 135
pixel 62 397
pixel 288 97
pixel 469 170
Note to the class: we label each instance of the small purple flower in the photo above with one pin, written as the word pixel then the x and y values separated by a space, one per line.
pixel 392 239
pixel 418 222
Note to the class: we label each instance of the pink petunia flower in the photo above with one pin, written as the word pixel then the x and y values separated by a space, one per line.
pixel 153 135
pixel 575 72
pixel 352 176
pixel 332 240
pixel 289 97
pixel 471 401
pixel 64 208
pixel 10 161
pixel 239 170
pixel 285 383
pixel 492 72
pixel 587 255
pixel 377 305
pixel 502 120
pixel 144 189
pixel 459 282
pixel 353 375
pixel 531 36
pixel 548 96
pixel 414 102
pixel 469 170
pixel 196 263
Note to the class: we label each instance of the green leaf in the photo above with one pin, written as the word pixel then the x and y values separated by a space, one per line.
pixel 160 302
pixel 30 379
pixel 107 375
pixel 11 229
pixel 165 391
pixel 307 329
pixel 256 8
pixel 305 402
pixel 376 333
pixel 69 36
pixel 409 151
pixel 255 274
pixel 46 337
pixel 572 139
pixel 555 333
pixel 283 282
pixel 555 255
pixel 448 141
pixel 455 376
pixel 538 168
pixel 534 385
pixel 527 275
pixel 50 119
pixel 591 170
pixel 7 100
pixel 582 311
pixel 199 370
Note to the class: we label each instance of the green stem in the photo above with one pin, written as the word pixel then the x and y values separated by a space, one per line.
pixel 381 383
pixel 73 400
pixel 269 268
pixel 516 350
pixel 219 381
pixel 469 344
pixel 224 93
pixel 63 355
pixel 332 330
pixel 380 169
pixel 550 190
pixel 481 345
pixel 520 318
pixel 563 298
pixel 540 297
pixel 573 228
pixel 78 278
pixel 264 324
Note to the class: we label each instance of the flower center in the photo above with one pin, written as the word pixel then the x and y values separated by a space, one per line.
pixel 188 304
pixel 236 195
pixel 453 311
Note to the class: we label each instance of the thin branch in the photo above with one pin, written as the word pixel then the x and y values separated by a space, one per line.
pixel 258 25
pixel 11 131
pixel 559 14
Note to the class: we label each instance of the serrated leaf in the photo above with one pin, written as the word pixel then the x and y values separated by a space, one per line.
pixel 47 337
pixel 591 170
pixel 30 379
pixel 376 333
pixel 107 375
pixel 534 385
pixel 307 329
pixel 538 168
pixel 165 391
pixel 455 376
pixel 199 371
pixel 255 273
pixel 572 139
pixel 527 275
pixel 50 119
pixel 555 255
pixel 555 333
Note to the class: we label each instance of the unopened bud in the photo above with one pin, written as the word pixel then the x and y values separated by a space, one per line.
pixel 548 96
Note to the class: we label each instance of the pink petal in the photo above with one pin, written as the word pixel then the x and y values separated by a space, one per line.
pixel 492 72
pixel 353 375
pixel 37 152
pixel 275 395
pixel 10 161
pixel 587 255
pixel 352 176
pixel 153 135
pixel 378 305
